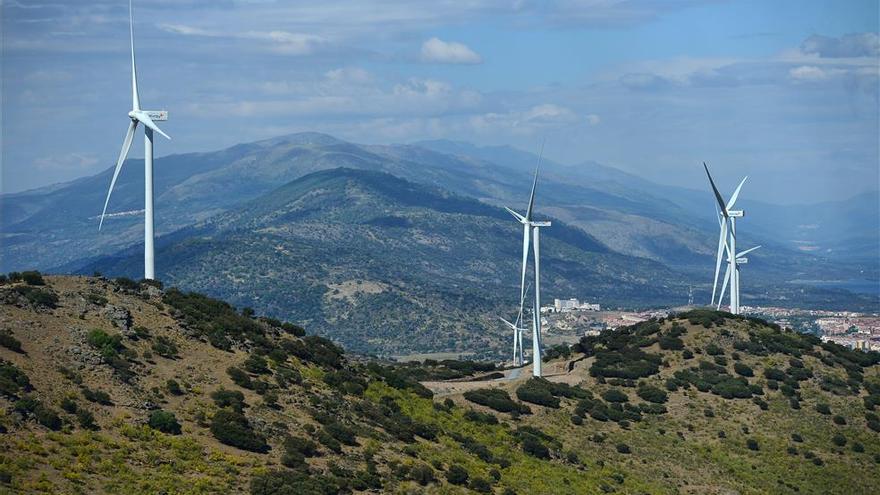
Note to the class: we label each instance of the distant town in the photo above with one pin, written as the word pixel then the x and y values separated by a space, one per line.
pixel 567 319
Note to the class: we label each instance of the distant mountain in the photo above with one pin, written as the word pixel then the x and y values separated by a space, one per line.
pixel 56 226
pixel 388 266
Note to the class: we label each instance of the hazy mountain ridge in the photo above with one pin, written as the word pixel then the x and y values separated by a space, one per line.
pixel 56 226
pixel 433 265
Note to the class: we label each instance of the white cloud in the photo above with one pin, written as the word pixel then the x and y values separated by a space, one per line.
pixel 593 119
pixel 438 51
pixel 811 73
pixel 282 42
pixel 850 45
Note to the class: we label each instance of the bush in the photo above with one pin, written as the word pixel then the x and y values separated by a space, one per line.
pixel 652 394
pixel 33 277
pixel 173 387
pixel 615 395
pixel 537 392
pixel 165 422
pixel 623 448
pixel 533 446
pixel 229 398
pixel 68 405
pixel 38 297
pixel 422 474
pixel 742 369
pixel 86 419
pixel 714 350
pixel 838 440
pixel 839 420
pixel 752 444
pixel 108 345
pixel 457 475
pixel 496 399
pixel 823 408
pixel 256 364
pixel 165 347
pixel 797 438
pixel 232 428
pixel 10 342
pixel 239 377
pixel 687 354
pixel 12 380
pixel 480 485
pixel 98 396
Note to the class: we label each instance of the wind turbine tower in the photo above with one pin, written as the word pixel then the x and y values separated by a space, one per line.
pixel 727 246
pixel 531 229
pixel 148 118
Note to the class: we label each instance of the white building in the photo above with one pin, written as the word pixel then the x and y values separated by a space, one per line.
pixel 566 305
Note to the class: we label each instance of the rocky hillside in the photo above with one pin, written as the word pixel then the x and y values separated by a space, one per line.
pixel 114 386
pixel 387 266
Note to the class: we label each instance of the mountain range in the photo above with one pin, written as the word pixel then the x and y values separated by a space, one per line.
pixel 310 227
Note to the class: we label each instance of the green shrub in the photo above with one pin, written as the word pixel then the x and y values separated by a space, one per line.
pixel 422 474
pixel 838 440
pixel 839 420
pixel 239 377
pixel 536 391
pixel 10 342
pixel 32 277
pixel 533 446
pixel 165 422
pixel 86 419
pixel 229 398
pixel 714 350
pixel 98 396
pixel 480 485
pixel 165 347
pixel 173 387
pixel 615 395
pixel 823 408
pixel 38 297
pixel 623 448
pixel 68 405
pixel 752 444
pixel 457 475
pixel 256 364
pixel 652 394
pixel 232 428
pixel 742 369
pixel 496 399
pixel 12 380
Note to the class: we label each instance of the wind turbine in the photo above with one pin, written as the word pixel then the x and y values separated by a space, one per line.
pixel 531 229
pixel 727 244
pixel 148 118
pixel 740 260
pixel 517 328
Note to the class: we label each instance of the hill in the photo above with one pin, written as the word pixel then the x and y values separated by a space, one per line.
pixel 388 266
pixel 120 387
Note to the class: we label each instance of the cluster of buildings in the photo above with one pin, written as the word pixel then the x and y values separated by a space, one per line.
pixel 567 305
pixel 847 328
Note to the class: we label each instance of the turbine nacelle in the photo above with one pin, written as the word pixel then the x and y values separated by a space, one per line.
pixel 736 213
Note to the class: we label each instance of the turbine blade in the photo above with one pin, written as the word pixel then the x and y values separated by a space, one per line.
pixel 736 193
pixel 135 100
pixel 534 185
pixel 722 243
pixel 724 286
pixel 525 260
pixel 511 325
pixel 747 251
pixel 147 121
pixel 715 190
pixel 126 145
pixel 515 214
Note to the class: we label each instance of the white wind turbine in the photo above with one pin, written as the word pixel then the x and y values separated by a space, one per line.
pixel 517 328
pixel 147 118
pixel 532 229
pixel 727 245
pixel 734 280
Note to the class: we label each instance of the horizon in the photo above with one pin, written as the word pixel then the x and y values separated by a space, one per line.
pixel 744 86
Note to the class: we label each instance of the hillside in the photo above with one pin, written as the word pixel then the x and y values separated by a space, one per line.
pixel 388 266
pixel 120 387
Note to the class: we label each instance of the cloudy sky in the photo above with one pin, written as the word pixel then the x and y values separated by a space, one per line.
pixel 785 91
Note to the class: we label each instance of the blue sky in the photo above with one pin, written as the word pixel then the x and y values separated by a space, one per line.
pixel 785 91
